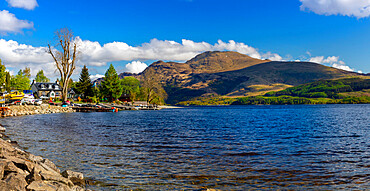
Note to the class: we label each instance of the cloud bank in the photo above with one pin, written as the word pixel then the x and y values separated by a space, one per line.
pixel 333 61
pixel 24 4
pixel 355 8
pixel 9 23
pixel 17 56
pixel 98 55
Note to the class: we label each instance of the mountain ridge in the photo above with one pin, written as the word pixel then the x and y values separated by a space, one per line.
pixel 233 74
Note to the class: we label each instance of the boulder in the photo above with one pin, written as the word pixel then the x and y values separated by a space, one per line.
pixel 34 175
pixel 76 177
pixel 21 163
pixel 56 177
pixel 41 186
pixel 16 181
pixel 50 164
pixel 9 167
pixel 35 159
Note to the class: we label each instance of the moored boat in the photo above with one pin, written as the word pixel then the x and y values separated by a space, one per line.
pixel 14 95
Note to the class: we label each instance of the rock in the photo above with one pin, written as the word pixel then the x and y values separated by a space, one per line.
pixel 76 177
pixel 21 164
pixel 2 169
pixel 41 186
pixel 17 181
pixel 2 129
pixel 77 188
pixel 56 177
pixel 51 165
pixel 34 176
pixel 4 186
pixel 9 167
pixel 34 158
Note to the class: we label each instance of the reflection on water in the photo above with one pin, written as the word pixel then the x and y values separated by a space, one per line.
pixel 228 148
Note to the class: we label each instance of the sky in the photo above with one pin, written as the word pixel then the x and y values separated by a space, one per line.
pixel 133 34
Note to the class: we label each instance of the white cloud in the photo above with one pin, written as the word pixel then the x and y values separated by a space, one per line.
pixel 333 61
pixel 96 76
pixel 9 23
pixel 97 55
pixel 17 56
pixel 136 67
pixel 25 4
pixel 356 8
pixel 272 56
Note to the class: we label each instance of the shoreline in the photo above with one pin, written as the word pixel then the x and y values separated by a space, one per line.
pixel 21 110
pixel 21 170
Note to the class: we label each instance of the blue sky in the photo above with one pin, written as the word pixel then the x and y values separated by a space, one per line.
pixel 334 33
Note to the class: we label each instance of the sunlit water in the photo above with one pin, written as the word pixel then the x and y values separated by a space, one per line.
pixel 325 147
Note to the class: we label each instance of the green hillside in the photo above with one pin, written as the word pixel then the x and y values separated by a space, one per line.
pixel 325 88
pixel 342 91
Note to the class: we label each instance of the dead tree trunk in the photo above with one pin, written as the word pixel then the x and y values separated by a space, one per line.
pixel 65 57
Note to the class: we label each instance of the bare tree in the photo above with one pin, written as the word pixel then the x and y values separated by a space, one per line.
pixel 65 57
pixel 152 87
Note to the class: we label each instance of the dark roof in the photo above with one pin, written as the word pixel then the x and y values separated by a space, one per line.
pixel 45 86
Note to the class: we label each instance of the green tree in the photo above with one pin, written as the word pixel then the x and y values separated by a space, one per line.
pixel 27 72
pixel 40 77
pixel 20 82
pixel 84 86
pixel 111 86
pixel 8 82
pixel 131 86
pixel 152 88
pixel 2 76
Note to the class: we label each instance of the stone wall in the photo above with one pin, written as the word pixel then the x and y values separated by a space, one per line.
pixel 19 110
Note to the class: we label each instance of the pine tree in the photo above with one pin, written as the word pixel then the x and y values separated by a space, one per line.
pixel 111 85
pixel 84 85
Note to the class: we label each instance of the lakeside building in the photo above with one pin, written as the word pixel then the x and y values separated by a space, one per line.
pixel 46 90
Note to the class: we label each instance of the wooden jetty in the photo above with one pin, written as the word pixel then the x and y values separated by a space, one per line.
pixel 93 109
pixel 128 107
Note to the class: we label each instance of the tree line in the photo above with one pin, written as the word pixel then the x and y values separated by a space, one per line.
pixel 324 88
pixel 21 81
pixel 318 92
pixel 111 87
pixel 65 56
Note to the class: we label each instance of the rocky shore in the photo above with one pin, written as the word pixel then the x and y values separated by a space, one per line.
pixel 19 110
pixel 20 170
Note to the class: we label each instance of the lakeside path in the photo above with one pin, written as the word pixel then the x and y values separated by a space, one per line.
pixel 20 170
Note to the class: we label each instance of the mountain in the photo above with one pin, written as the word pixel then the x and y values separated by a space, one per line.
pixel 233 74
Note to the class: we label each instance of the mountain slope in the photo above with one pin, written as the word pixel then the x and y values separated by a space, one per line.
pixel 235 74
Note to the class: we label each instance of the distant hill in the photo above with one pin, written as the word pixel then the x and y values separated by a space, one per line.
pixel 326 88
pixel 233 74
pixel 340 91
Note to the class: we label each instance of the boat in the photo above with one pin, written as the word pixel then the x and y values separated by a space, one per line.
pixel 28 94
pixel 14 95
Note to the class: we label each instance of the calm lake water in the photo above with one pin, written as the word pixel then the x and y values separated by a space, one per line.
pixel 321 147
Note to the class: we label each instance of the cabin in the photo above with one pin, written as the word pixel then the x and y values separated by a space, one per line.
pixel 46 90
